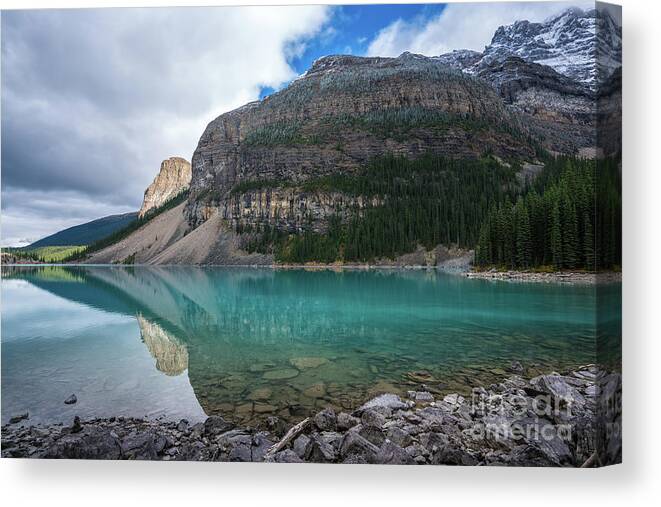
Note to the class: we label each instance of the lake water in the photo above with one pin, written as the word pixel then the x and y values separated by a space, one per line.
pixel 185 342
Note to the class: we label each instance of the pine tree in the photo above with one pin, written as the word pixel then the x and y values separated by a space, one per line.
pixel 556 238
pixel 588 242
pixel 523 236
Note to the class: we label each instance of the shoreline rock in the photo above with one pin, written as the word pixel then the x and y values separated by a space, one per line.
pixel 565 277
pixel 548 420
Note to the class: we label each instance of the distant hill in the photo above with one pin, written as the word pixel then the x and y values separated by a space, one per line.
pixel 87 233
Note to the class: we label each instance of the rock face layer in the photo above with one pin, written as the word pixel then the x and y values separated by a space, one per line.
pixel 172 179
pixel 343 112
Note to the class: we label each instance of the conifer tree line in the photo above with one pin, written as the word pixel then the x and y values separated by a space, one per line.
pixel 569 219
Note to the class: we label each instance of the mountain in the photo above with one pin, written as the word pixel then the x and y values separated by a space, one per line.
pixel 342 113
pixel 399 160
pixel 87 233
pixel 172 179
pixel 552 74
pixel 585 46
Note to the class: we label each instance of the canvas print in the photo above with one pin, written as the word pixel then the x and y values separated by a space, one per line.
pixel 366 234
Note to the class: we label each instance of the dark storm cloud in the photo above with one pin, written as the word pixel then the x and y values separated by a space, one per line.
pixel 93 100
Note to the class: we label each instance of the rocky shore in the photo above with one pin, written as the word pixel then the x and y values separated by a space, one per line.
pixel 568 277
pixel 550 420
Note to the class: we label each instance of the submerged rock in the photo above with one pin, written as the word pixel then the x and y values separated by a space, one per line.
pixel 316 390
pixel 304 363
pixel 391 401
pixel 18 418
pixel 71 400
pixel 283 374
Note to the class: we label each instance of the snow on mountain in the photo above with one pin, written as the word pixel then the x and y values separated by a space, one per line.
pixel 577 44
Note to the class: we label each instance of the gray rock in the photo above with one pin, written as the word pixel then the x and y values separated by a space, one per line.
pixel 516 367
pixel 354 459
pixel 197 430
pixel 392 454
pixel 424 396
pixel 391 401
pixel 71 400
pixel 182 425
pixel 286 456
pixel 215 424
pixel 260 444
pixel 355 445
pixel 433 441
pixel 18 417
pixel 326 420
pixel 398 436
pixel 93 443
pixel 371 417
pixel 373 434
pixel 237 444
pixel 559 387
pixel 300 444
pixel 318 450
pixel 346 421
pixel 432 417
pixel 274 425
pixel 76 427
pixel 452 455
pixel 144 445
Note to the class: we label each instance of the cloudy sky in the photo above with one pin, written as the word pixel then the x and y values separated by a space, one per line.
pixel 93 100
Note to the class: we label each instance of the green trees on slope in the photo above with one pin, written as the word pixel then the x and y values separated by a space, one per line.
pixel 428 201
pixel 569 219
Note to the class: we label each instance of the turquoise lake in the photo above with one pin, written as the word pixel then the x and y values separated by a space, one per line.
pixel 246 343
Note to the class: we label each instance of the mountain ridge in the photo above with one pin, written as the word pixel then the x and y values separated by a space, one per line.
pixel 86 233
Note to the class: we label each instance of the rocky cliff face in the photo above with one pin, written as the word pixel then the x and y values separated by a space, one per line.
pixel 584 46
pixel 552 73
pixel 173 178
pixel 344 111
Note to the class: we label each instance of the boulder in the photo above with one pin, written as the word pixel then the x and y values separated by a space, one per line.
pixel 326 420
pixel 353 444
pixel 143 445
pixel 392 454
pixel 390 401
pixel 372 417
pixel 18 417
pixel 399 436
pixel 319 450
pixel 373 434
pixel 346 421
pixel 300 444
pixel 92 443
pixel 215 425
pixel 286 456
pixel 424 397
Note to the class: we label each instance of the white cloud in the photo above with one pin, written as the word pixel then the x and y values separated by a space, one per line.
pixel 460 26
pixel 93 100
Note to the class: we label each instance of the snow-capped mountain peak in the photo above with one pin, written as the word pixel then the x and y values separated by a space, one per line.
pixel 575 43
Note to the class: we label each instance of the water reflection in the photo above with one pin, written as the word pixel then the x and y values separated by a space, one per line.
pixel 256 342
